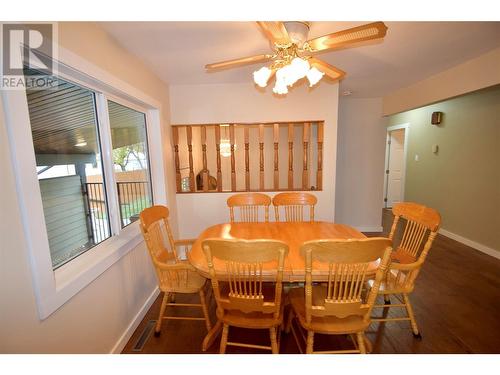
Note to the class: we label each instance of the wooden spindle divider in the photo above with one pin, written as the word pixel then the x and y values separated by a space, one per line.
pixel 204 173
pixel 276 139
pixel 305 156
pixel 189 136
pixel 308 142
pixel 319 173
pixel 233 161
pixel 217 148
pixel 261 159
pixel 290 156
pixel 175 136
pixel 246 132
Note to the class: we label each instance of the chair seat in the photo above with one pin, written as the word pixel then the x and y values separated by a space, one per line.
pixel 325 325
pixel 402 256
pixel 255 320
pixel 389 285
pixel 166 257
pixel 188 281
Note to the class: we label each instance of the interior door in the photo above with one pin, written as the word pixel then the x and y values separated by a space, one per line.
pixel 395 167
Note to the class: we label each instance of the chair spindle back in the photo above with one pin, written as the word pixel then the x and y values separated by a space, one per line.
pixel 348 262
pixel 421 222
pixel 293 206
pixel 171 274
pixel 244 264
pixel 249 204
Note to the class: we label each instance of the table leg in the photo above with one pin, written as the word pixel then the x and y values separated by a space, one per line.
pixel 211 336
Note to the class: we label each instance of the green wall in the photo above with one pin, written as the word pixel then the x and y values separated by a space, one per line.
pixel 462 181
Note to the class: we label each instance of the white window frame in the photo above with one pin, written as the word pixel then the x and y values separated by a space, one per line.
pixel 54 288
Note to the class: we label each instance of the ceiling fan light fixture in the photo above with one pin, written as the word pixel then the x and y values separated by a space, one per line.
pixel 291 73
pixel 314 76
pixel 261 76
pixel 292 56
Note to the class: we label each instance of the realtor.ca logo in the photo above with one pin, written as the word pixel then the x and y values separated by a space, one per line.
pixel 32 46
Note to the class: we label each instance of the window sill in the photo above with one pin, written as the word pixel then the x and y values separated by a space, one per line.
pixel 80 272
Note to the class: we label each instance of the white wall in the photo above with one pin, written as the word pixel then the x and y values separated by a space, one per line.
pixel 360 164
pixel 229 103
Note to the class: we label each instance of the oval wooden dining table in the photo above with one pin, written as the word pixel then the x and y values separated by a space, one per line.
pixel 292 233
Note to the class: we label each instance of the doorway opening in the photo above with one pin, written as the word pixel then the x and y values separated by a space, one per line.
pixel 395 164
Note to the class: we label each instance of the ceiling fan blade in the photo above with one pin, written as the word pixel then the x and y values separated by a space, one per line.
pixel 343 38
pixel 275 31
pixel 331 71
pixel 240 61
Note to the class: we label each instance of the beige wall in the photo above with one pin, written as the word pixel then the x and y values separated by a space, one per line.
pixel 229 103
pixel 360 163
pixel 462 181
pixel 472 75
pixel 93 320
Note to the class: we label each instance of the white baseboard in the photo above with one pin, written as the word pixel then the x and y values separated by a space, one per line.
pixel 120 344
pixel 370 229
pixel 475 245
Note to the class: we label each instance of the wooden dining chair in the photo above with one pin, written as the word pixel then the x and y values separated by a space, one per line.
pixel 249 204
pixel 293 206
pixel 243 299
pixel 419 226
pixel 340 305
pixel 174 275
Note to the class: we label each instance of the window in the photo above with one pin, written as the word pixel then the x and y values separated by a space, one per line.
pixel 75 177
pixel 68 157
pixel 130 158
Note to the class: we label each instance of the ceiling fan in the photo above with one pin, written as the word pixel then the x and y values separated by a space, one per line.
pixel 293 55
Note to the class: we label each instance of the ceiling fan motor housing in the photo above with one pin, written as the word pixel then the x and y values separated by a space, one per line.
pixel 297 31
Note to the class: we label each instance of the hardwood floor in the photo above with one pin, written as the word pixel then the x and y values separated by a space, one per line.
pixel 456 302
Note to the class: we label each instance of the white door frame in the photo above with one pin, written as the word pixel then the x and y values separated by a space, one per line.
pixel 406 127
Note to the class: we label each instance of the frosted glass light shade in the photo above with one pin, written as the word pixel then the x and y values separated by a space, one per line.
pixel 314 76
pixel 280 87
pixel 261 76
pixel 300 67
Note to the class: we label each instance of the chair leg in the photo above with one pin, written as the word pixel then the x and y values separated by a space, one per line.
pixel 205 310
pixel 223 340
pixel 368 344
pixel 361 342
pixel 274 342
pixel 162 312
pixel 310 342
pixel 172 297
pixel 289 321
pixel 411 315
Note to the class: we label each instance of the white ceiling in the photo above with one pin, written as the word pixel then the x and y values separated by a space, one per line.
pixel 411 51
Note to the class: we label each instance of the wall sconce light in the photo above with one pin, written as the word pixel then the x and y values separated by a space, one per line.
pixel 436 118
